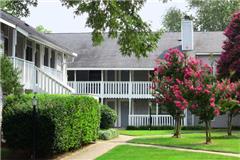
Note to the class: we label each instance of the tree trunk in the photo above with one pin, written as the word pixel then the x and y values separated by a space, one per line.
pixel 229 124
pixel 208 132
pixel 177 133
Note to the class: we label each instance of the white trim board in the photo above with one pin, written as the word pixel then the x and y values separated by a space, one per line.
pixel 134 69
pixel 7 23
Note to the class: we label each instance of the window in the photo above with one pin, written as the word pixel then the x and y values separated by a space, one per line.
pixel 29 51
pixel 81 75
pixel 124 75
pixel 52 60
pixel 70 75
pixel 46 57
pixel 94 75
pixel 5 45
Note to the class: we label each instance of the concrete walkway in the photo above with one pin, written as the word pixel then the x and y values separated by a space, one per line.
pixel 93 151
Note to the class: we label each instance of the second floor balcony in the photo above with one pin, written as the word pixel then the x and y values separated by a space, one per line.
pixel 114 89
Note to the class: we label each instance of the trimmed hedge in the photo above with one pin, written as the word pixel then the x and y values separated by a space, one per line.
pixel 108 134
pixel 171 128
pixel 164 128
pixel 64 122
pixel 147 128
pixel 108 117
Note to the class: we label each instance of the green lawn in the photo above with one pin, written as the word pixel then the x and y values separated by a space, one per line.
pixel 126 152
pixel 221 142
pixel 160 132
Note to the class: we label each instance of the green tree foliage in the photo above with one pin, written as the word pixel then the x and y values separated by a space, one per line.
pixel 172 20
pixel 18 8
pixel 213 15
pixel 9 77
pixel 121 20
pixel 41 29
pixel 210 15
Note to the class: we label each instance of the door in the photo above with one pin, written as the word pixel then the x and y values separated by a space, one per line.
pixel 124 113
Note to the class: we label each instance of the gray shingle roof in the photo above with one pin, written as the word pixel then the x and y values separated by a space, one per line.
pixel 107 55
pixel 31 31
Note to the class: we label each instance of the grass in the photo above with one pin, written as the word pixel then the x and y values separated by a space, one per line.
pixel 128 152
pixel 220 142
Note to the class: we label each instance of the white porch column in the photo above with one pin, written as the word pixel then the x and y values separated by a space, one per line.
pixel 64 68
pixel 14 43
pixel 24 58
pixel 185 117
pixel 130 84
pixel 156 108
pixel 130 109
pixel 33 52
pixel 75 81
pixel 101 87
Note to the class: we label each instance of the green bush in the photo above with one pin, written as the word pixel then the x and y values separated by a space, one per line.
pixel 9 77
pixel 108 134
pixel 193 127
pixel 64 122
pixel 108 117
pixel 147 127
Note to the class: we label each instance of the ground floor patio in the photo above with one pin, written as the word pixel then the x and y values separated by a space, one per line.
pixel 142 112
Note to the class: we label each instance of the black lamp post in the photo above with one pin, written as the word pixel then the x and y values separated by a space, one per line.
pixel 150 115
pixel 34 104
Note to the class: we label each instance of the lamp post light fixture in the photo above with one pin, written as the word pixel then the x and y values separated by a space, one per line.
pixel 34 104
pixel 150 114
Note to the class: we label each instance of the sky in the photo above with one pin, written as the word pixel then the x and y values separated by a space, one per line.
pixel 59 19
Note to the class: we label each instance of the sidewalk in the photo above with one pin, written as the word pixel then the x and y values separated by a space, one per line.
pixel 93 151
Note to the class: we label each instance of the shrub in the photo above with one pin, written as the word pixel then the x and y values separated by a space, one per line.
pixel 147 128
pixel 108 134
pixel 64 122
pixel 108 117
pixel 193 128
pixel 9 77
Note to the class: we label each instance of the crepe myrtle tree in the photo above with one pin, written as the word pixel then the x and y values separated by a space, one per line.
pixel 167 75
pixel 229 100
pixel 200 89
pixel 182 82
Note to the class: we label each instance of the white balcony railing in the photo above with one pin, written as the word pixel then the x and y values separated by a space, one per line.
pixel 113 89
pixel 28 68
pixel 157 120
pixel 37 79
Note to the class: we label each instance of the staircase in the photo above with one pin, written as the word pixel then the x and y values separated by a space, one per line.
pixel 48 84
